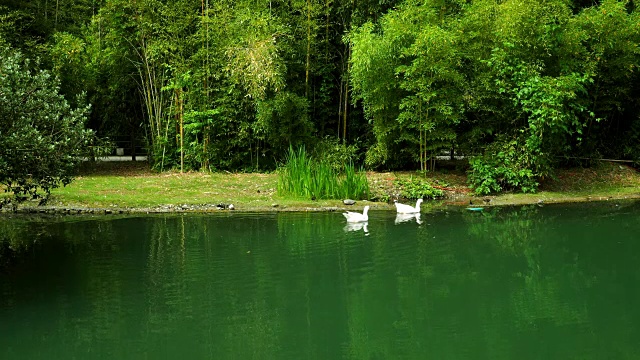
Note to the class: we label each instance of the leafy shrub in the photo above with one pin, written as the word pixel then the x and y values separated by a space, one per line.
pixel 376 155
pixel 42 138
pixel 415 188
pixel 507 165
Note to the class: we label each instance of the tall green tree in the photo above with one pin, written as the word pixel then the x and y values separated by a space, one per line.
pixel 547 64
pixel 514 84
pixel 406 73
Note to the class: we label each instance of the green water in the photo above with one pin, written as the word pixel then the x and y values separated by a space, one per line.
pixel 553 282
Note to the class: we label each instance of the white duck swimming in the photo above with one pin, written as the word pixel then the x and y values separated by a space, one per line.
pixel 354 217
pixel 408 209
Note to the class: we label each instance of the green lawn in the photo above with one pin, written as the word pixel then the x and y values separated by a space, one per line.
pixel 141 191
pixel 134 186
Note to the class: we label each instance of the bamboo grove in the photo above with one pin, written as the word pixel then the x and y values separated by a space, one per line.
pixel 517 86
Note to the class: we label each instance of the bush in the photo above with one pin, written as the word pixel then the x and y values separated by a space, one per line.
pixel 507 165
pixel 41 137
pixel 417 189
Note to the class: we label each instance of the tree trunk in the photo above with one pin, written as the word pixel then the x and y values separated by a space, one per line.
pixel 420 130
pixel 340 107
pixel 55 24
pixel 133 143
pixel 346 97
pixel 306 82
pixel 423 135
pixel 180 114
pixel 179 126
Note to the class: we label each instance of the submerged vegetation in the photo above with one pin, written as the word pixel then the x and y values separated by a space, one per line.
pixel 309 178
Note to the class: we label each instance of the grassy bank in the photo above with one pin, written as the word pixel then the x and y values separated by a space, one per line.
pixel 134 187
pixel 603 182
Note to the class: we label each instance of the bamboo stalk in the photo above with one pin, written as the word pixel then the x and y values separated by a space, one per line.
pixel 346 96
pixel 306 82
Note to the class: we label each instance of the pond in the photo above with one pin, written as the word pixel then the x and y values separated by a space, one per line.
pixel 552 282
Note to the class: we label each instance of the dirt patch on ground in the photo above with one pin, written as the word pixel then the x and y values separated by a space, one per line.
pixel 383 186
pixel 603 175
pixel 116 168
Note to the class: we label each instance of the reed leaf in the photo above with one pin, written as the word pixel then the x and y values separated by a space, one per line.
pixel 303 177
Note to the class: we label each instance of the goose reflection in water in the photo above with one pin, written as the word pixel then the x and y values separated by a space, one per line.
pixel 402 218
pixel 357 227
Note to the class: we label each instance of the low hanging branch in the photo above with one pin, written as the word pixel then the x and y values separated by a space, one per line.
pixel 257 66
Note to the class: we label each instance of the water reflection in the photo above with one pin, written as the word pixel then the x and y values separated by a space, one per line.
pixel 402 218
pixel 285 286
pixel 357 227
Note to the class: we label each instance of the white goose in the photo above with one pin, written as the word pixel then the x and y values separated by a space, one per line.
pixel 354 217
pixel 407 209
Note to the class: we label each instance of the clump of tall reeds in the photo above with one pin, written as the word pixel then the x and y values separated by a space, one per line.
pixel 303 176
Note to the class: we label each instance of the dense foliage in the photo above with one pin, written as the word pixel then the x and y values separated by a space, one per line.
pixel 417 188
pixel 518 86
pixel 41 136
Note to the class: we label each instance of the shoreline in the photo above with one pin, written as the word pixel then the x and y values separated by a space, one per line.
pixel 504 200
pixel 111 188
